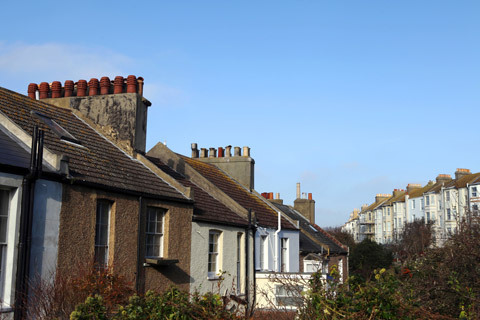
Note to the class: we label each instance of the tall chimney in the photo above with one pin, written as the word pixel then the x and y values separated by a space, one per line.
pixel 194 150
pixel 298 190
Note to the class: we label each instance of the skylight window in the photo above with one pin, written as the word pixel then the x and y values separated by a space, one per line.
pixel 311 227
pixel 56 128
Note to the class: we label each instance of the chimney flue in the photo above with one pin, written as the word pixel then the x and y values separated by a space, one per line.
pixel 131 84
pixel 237 152
pixel 118 85
pixel 310 196
pixel 246 151
pixel 93 87
pixel 81 88
pixel 228 151
pixel 194 150
pixel 104 85
pixel 69 87
pixel 203 153
pixel 298 190
pixel 213 153
pixel 32 89
pixel 56 89
pixel 220 152
pixel 44 89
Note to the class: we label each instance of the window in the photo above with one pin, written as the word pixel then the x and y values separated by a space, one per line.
pixel 474 191
pixel 56 128
pixel 428 216
pixel 213 249
pixel 449 215
pixel 288 295
pixel 454 211
pixel 263 246
pixel 413 204
pixel 369 216
pixel 447 195
pixel 422 203
pixel 388 211
pixel 311 266
pixel 4 199
pixel 102 233
pixel 439 204
pixel 154 233
pixel 427 199
pixel 284 254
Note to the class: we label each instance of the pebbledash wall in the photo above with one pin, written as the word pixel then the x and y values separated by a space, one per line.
pixel 77 237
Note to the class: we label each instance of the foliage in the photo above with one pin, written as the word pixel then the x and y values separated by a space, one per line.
pixel 344 237
pixel 368 256
pixel 415 239
pixel 172 304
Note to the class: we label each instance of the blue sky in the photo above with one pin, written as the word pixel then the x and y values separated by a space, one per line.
pixel 349 98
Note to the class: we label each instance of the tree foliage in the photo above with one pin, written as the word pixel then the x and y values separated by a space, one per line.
pixel 368 256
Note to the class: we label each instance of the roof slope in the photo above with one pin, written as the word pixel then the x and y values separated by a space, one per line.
pixel 206 208
pixel 314 231
pixel 266 216
pixel 97 161
pixel 12 153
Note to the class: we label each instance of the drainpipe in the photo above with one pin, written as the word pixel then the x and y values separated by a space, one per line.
pixel 139 237
pixel 279 228
pixel 247 235
pixel 26 217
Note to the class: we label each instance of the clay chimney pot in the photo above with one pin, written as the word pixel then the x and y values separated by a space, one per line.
pixel 69 86
pixel 104 85
pixel 56 89
pixel 93 87
pixel 32 89
pixel 118 85
pixel 81 88
pixel 220 152
pixel 131 84
pixel 44 89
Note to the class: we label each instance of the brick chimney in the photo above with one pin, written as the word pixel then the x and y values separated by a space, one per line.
pixel 240 167
pixel 116 107
pixel 397 192
pixel 461 173
pixel 305 205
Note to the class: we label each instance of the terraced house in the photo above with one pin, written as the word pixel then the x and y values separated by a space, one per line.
pixel 85 200
pixel 443 203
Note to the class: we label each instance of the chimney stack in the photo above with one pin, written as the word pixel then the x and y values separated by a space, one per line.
pixel 228 151
pixel 305 206
pixel 461 173
pixel 382 197
pixel 444 178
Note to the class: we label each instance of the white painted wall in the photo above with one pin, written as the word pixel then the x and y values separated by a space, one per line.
pixel 45 229
pixel 293 249
pixel 227 258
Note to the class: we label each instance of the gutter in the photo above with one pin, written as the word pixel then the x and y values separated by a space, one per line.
pixel 279 228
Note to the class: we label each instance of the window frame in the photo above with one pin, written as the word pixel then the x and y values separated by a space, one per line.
pixel 108 205
pixel 155 233
pixel 213 255
pixel 284 254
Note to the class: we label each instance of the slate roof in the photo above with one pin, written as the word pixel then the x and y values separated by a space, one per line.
pixel 312 230
pixel 98 162
pixel 266 216
pixel 205 208
pixel 463 181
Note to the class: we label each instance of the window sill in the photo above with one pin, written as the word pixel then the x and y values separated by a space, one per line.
pixel 159 262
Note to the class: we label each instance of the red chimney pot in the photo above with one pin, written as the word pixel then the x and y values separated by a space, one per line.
pixel 44 89
pixel 69 85
pixel 118 85
pixel 81 88
pixel 104 85
pixel 56 89
pixel 220 152
pixel 93 87
pixel 310 196
pixel 32 88
pixel 131 84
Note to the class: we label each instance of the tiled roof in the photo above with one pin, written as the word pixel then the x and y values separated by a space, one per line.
pixel 98 162
pixel 314 231
pixel 395 198
pixel 206 208
pixel 266 216
pixel 418 192
pixel 463 181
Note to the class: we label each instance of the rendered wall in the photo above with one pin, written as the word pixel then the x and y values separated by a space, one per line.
pixel 227 258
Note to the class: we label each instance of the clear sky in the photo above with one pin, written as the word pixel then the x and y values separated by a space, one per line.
pixel 349 98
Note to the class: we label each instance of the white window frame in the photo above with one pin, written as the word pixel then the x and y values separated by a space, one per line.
pixel 214 249
pixel 13 184
pixel 153 234
pixel 263 252
pixel 98 233
pixel 314 265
